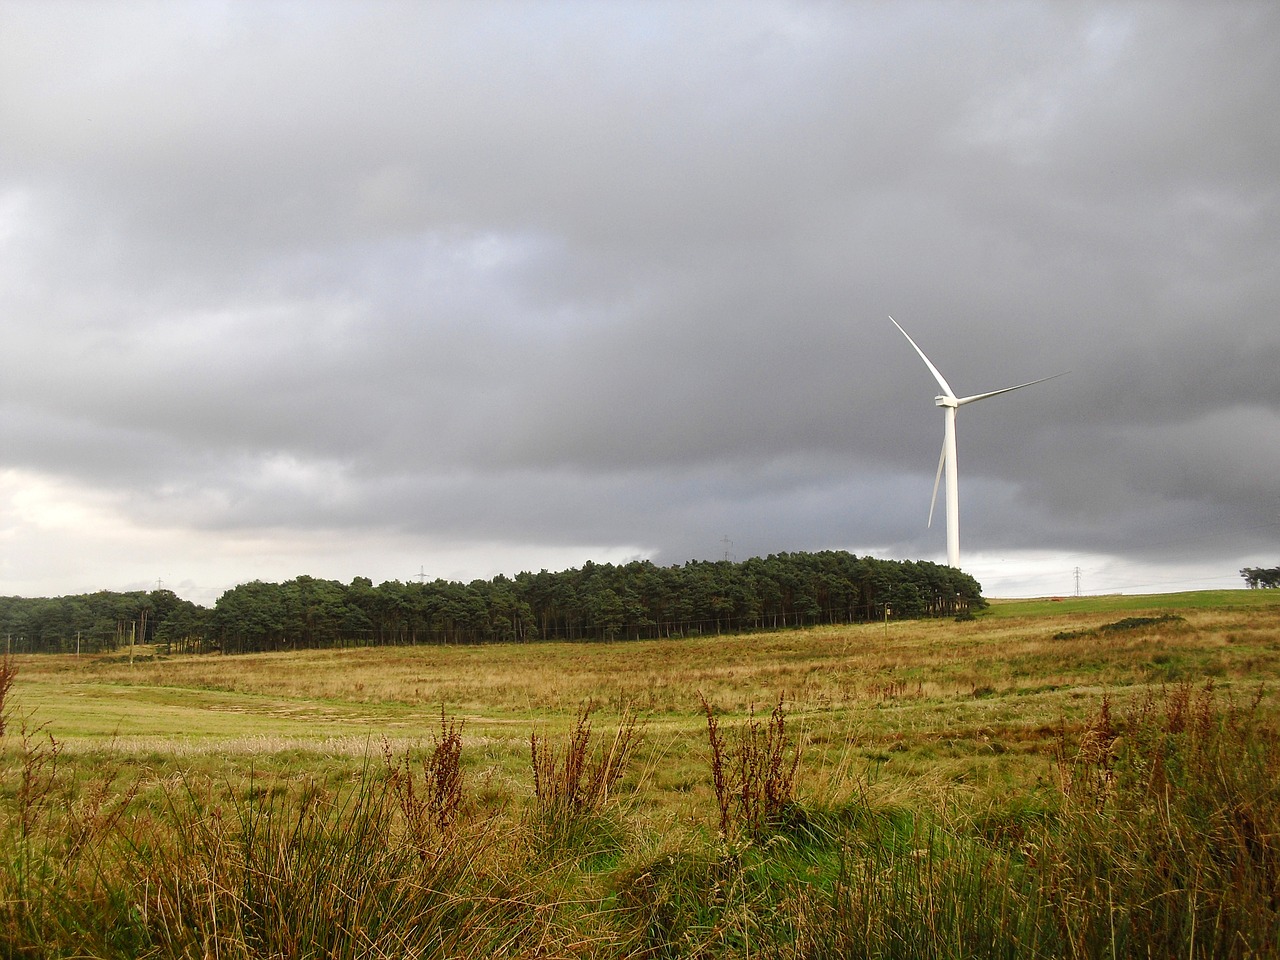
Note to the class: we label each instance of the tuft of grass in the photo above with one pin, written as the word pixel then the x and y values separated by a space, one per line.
pixel 314 875
pixel 684 900
pixel 1087 775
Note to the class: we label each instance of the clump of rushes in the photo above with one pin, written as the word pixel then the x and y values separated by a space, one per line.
pixel 430 804
pixel 577 779
pixel 754 786
pixel 299 873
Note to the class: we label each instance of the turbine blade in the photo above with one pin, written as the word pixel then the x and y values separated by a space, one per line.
pixel 946 387
pixel 995 393
pixel 942 460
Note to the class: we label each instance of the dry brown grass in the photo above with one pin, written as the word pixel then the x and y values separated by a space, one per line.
pixel 968 705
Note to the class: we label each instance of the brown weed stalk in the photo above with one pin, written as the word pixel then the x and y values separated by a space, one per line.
pixel 577 778
pixel 1088 770
pixel 430 803
pixel 8 673
pixel 38 777
pixel 754 785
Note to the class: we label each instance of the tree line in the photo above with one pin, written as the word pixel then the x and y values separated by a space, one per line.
pixel 637 600
pixel 106 620
pixel 1266 577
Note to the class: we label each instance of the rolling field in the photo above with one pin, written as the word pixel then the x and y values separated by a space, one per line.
pixel 999 678
pixel 941 726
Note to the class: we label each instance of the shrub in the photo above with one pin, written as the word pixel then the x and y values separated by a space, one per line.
pixel 1137 623
pixel 1121 626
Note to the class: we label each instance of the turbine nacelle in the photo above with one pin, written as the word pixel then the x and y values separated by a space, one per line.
pixel 945 402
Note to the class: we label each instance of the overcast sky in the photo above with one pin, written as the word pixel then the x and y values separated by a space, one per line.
pixel 381 289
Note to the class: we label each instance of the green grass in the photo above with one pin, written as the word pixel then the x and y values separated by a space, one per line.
pixel 1131 603
pixel 952 776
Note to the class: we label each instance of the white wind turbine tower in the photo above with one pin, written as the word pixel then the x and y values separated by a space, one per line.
pixel 950 403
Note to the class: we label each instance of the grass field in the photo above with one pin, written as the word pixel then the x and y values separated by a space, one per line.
pixel 938 744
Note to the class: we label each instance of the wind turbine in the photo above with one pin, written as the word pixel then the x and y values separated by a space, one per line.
pixel 950 403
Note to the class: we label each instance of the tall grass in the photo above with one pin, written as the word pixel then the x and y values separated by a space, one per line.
pixel 1177 831
pixel 276 869
pixel 306 875
pixel 1158 834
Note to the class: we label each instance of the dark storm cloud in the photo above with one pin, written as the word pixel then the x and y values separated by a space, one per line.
pixel 620 274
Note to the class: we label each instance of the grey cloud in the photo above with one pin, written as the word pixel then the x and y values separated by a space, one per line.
pixel 591 274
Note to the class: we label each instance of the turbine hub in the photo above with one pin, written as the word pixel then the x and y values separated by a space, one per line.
pixel 945 401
